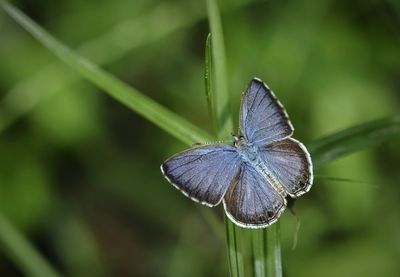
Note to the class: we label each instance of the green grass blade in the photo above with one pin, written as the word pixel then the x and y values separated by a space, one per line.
pixel 108 47
pixel 154 112
pixel 253 252
pixel 222 105
pixel 104 49
pixel 259 252
pixel 354 139
pixel 274 263
pixel 232 248
pixel 249 252
pixel 24 255
pixel 208 79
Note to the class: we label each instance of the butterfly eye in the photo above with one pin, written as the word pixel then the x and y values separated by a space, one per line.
pixel 235 140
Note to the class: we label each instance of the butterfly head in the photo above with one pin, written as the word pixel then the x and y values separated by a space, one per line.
pixel 246 150
pixel 238 140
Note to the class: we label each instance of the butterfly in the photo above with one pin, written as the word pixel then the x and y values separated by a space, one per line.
pixel 254 177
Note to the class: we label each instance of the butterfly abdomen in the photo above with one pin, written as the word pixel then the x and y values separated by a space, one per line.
pixel 249 154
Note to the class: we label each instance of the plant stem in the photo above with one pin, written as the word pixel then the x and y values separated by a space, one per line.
pixel 251 252
pixel 208 82
pixel 138 102
pixel 22 252
pixel 222 107
pixel 274 262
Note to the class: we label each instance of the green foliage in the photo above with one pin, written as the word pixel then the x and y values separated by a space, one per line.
pixel 286 47
pixel 222 107
pixel 250 252
pixel 23 254
pixel 132 98
pixel 208 80
pixel 353 139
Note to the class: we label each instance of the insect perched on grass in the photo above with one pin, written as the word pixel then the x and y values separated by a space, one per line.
pixel 254 177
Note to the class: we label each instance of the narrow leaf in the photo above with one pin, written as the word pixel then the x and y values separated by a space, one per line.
pixel 24 255
pixel 154 112
pixel 274 263
pixel 208 78
pixel 249 252
pixel 259 252
pixel 232 248
pixel 104 49
pixel 347 180
pixel 223 110
pixel 354 139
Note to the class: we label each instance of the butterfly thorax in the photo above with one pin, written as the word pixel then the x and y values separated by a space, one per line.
pixel 250 154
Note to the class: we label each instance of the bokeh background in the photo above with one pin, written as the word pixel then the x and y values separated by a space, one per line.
pixel 79 172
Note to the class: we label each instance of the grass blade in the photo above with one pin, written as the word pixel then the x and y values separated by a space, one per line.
pixel 232 248
pixel 274 263
pixel 108 47
pixel 253 252
pixel 354 139
pixel 149 109
pixel 208 78
pixel 259 253
pixel 250 253
pixel 24 255
pixel 224 120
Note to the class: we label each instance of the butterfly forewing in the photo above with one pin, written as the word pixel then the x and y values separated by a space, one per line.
pixel 290 164
pixel 203 173
pixel 254 177
pixel 251 201
pixel 262 118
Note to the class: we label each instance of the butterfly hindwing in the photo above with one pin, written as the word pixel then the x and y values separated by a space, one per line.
pixel 254 177
pixel 251 201
pixel 262 118
pixel 290 163
pixel 203 173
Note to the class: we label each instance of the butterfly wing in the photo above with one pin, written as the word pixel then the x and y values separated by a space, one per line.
pixel 262 117
pixel 290 163
pixel 251 201
pixel 203 173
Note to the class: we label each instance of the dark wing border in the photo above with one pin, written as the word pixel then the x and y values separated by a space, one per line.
pixel 253 226
pixel 310 169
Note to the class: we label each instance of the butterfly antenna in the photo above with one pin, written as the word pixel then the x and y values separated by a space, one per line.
pixel 298 225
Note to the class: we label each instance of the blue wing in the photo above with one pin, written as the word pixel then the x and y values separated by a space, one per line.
pixel 251 201
pixel 262 117
pixel 203 173
pixel 290 163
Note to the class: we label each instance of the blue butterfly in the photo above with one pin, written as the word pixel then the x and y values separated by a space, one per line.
pixel 254 177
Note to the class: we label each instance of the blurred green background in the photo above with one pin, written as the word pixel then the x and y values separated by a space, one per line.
pixel 79 172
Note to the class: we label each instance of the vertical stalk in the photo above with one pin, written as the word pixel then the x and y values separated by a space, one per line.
pixel 208 78
pixel 22 253
pixel 221 95
pixel 251 252
pixel 274 262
